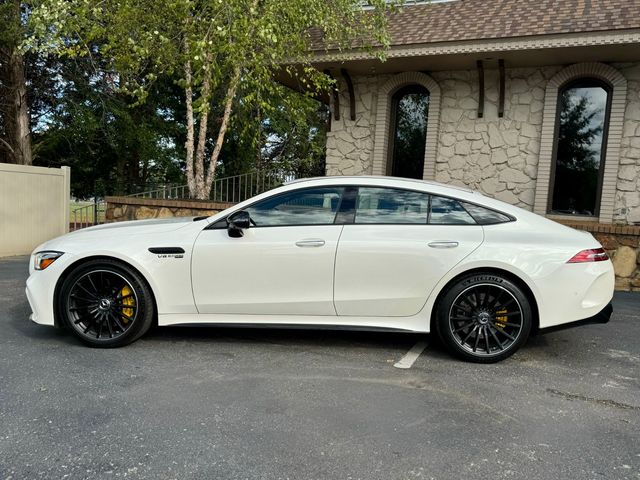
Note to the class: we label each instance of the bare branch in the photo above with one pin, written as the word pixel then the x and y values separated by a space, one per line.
pixel 6 144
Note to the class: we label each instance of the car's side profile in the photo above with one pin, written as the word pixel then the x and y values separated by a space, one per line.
pixel 339 252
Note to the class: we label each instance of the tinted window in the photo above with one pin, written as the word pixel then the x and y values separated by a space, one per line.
pixel 582 120
pixel 447 211
pixel 312 206
pixel 391 205
pixel 411 112
pixel 485 216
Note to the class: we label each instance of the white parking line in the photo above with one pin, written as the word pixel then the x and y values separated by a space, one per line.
pixel 411 356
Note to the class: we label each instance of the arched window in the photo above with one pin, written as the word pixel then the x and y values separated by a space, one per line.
pixel 409 114
pixel 582 122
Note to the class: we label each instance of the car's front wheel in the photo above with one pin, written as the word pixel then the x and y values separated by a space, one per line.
pixel 106 303
pixel 484 318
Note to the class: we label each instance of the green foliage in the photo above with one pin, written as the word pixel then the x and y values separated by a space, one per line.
pixel 291 138
pixel 112 146
pixel 146 39
pixel 206 47
pixel 10 27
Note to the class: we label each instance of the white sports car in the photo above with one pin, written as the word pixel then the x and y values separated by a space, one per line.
pixel 375 253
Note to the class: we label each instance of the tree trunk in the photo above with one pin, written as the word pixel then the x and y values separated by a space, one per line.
pixel 202 139
pixel 18 132
pixel 189 143
pixel 224 124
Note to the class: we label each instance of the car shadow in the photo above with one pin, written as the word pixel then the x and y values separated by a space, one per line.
pixel 284 336
pixel 19 321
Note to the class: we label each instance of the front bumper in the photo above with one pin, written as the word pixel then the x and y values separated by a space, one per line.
pixel 40 290
pixel 603 316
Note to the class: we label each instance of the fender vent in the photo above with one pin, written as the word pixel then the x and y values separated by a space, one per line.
pixel 166 250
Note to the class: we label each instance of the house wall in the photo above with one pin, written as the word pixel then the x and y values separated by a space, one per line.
pixel 627 202
pixel 498 156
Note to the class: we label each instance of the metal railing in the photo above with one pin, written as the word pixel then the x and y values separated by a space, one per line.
pixel 88 215
pixel 169 191
pixel 241 187
pixel 233 189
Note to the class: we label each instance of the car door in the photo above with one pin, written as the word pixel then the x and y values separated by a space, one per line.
pixel 282 265
pixel 401 243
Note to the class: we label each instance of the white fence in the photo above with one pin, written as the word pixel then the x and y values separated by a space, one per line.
pixel 34 206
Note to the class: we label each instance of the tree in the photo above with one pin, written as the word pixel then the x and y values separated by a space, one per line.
pixel 214 48
pixel 290 137
pixel 15 134
pixel 112 146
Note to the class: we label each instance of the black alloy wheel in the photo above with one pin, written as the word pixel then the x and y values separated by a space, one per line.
pixel 106 303
pixel 484 318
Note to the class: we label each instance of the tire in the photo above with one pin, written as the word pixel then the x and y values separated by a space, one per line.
pixel 484 318
pixel 106 303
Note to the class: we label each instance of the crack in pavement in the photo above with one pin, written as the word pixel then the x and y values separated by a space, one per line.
pixel 597 401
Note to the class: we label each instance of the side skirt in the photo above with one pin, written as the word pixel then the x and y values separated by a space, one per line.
pixel 386 324
pixel 296 326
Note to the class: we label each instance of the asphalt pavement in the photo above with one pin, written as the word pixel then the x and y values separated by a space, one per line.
pixel 226 403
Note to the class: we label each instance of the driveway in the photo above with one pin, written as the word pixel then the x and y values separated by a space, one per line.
pixel 282 404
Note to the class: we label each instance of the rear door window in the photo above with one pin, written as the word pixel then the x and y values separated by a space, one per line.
pixel 391 206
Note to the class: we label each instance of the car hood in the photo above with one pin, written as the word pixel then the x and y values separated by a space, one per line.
pixel 111 234
pixel 135 226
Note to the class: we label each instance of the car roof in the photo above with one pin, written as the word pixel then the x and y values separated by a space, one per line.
pixel 367 179
pixel 427 186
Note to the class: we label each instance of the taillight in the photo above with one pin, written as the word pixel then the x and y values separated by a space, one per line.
pixel 591 255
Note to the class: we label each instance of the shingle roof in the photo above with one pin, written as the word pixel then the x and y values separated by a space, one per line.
pixel 461 20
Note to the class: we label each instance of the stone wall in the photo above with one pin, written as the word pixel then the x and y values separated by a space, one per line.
pixel 627 202
pixel 498 156
pixel 350 143
pixel 120 209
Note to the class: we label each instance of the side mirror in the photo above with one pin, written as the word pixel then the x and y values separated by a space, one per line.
pixel 237 223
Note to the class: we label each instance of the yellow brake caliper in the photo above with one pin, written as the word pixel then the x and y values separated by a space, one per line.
pixel 501 320
pixel 127 300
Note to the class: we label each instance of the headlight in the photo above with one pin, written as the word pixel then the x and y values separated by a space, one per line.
pixel 42 260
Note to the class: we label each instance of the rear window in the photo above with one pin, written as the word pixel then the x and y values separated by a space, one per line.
pixel 447 211
pixel 485 216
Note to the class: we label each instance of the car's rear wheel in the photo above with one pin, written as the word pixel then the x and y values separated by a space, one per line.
pixel 484 318
pixel 106 303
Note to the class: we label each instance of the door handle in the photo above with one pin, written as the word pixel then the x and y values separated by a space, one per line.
pixel 310 242
pixel 444 244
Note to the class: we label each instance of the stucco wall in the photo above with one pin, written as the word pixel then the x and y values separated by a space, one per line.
pixel 498 156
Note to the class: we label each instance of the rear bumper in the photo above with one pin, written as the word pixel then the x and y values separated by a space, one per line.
pixel 603 316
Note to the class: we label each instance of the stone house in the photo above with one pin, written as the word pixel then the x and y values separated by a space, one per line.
pixel 534 102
